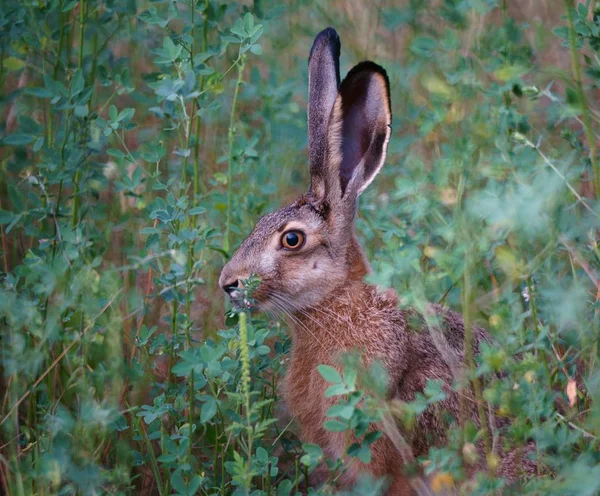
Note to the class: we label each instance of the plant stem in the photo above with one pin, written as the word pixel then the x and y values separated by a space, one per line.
pixel 238 83
pixel 82 9
pixel 150 450
pixel 76 179
pixel 468 353
pixel 3 246
pixel 587 123
pixel 190 118
pixel 95 52
pixel 245 359
pixel 198 119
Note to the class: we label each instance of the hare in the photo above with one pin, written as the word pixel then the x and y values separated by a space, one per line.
pixel 311 267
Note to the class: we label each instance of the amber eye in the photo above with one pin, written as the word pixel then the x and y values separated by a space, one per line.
pixel 292 240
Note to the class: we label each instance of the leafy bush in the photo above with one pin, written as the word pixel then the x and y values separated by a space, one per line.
pixel 142 140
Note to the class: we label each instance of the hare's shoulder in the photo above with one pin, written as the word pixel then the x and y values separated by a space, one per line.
pixel 444 327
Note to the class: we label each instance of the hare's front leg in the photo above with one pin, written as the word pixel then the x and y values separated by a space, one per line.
pixel 386 463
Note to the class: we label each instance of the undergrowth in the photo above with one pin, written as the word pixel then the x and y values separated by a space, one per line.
pixel 142 139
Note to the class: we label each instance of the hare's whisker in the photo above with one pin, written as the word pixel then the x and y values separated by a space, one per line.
pixel 279 303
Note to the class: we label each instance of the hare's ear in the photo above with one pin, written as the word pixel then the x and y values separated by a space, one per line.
pixel 323 83
pixel 359 131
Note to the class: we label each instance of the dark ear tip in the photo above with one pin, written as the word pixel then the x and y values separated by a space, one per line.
pixel 368 67
pixel 330 37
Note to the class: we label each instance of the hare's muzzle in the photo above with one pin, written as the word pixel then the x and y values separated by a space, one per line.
pixel 231 281
pixel 231 287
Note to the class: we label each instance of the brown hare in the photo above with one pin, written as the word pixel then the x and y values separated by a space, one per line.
pixel 311 267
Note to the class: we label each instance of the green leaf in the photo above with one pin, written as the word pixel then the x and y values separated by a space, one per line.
pixel 169 52
pixel 423 46
pixel 343 411
pixel 196 211
pixel 15 220
pixel 5 216
pixel 221 177
pixel 115 152
pixel 238 29
pixel 329 374
pixel 256 33
pixel 263 349
pixel 126 114
pixel 18 139
pixel 336 390
pixel 38 144
pixel 201 58
pixel 77 83
pixel 150 230
pixel 256 49
pixel 262 456
pixel 372 436
pixel 81 111
pixel 209 410
pixel 248 22
pixel 312 449
pixel 70 5
pixel 335 425
pixel 363 453
pixel 314 454
pixel 285 488
pixel 13 64
pixel 194 484
pixel 178 483
pixel 350 374
pixel 38 92
pixel 151 16
pixel 112 113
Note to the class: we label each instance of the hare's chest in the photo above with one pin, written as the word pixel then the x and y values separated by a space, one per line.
pixel 305 394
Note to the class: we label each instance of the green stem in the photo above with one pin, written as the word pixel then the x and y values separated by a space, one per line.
pixel 533 309
pixel 245 359
pixel 77 178
pixel 150 450
pixel 95 51
pixel 587 122
pixel 190 122
pixel 61 40
pixel 14 447
pixel 191 418
pixel 468 353
pixel 198 119
pixel 238 83
pixel 82 9
pixel 536 327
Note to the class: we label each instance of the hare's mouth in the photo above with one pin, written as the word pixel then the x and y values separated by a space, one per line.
pixel 239 300
pixel 263 298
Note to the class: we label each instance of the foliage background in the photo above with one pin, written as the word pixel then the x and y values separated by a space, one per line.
pixel 141 141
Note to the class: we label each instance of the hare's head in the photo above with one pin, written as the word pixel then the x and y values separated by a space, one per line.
pixel 305 251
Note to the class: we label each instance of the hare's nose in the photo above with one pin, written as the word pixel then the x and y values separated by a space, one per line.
pixel 231 287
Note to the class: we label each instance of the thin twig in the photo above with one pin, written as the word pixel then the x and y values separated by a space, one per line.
pixel 561 175
pixel 577 428
pixel 582 263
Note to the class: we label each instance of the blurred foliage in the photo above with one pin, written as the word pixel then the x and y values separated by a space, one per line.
pixel 142 139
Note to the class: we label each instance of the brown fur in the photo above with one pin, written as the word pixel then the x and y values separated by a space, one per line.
pixel 320 286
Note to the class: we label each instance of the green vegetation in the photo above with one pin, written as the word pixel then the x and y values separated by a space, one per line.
pixel 142 139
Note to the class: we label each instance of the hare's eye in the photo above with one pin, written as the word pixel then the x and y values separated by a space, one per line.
pixel 292 240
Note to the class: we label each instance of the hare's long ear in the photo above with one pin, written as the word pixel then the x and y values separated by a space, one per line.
pixel 358 133
pixel 323 83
